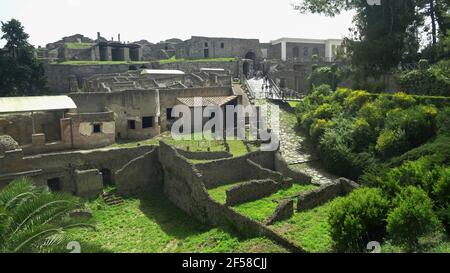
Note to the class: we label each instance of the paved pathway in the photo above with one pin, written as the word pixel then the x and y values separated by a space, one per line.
pixel 294 148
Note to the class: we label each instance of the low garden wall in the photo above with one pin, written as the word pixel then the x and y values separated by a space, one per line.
pixel 183 185
pixel 251 191
pixel 325 193
pixel 222 172
pixel 139 174
pixel 204 155
pixel 298 176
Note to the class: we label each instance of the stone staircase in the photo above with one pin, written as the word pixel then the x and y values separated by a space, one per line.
pixel 112 199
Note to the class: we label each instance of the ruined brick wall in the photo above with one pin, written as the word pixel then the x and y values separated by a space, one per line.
pixel 251 191
pixel 217 173
pixel 140 173
pixel 325 193
pixel 183 185
pixel 204 155
pixel 19 126
pixel 58 75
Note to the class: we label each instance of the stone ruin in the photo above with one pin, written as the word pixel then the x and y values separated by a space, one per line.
pixel 139 80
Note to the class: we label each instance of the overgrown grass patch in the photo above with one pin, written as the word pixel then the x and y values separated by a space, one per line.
pixel 77 45
pixel 263 208
pixel 260 209
pixel 309 229
pixel 96 62
pixel 152 224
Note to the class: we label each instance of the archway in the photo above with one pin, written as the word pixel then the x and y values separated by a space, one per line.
pixel 246 69
pixel 107 177
pixel 250 56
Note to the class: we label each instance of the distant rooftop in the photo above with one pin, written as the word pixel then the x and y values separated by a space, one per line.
pixel 161 72
pixel 35 104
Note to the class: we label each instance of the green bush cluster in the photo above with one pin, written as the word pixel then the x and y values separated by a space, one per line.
pixel 330 75
pixel 434 80
pixel 396 146
pixel 358 219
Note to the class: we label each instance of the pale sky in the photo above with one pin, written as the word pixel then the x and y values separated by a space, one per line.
pixel 157 20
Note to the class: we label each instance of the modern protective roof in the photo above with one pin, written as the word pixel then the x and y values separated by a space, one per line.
pixel 161 72
pixel 34 104
pixel 212 69
pixel 206 101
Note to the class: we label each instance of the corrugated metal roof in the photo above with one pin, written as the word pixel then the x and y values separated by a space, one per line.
pixel 34 104
pixel 207 101
pixel 161 72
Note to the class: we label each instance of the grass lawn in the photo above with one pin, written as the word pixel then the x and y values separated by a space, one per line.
pixel 152 224
pixel 77 45
pixel 309 229
pixel 96 62
pixel 260 209
pixel 293 104
pixel 263 208
pixel 237 147
pixel 174 60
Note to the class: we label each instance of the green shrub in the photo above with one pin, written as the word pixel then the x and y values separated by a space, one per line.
pixel 340 94
pixel 443 121
pixel 319 93
pixel 358 219
pixel 373 114
pixel 417 173
pixel 433 81
pixel 391 142
pixel 441 188
pixel 356 100
pixel 324 111
pixel 318 128
pixel 414 125
pixel 335 149
pixel 363 135
pixel 412 217
pixel 403 100
pixel 331 76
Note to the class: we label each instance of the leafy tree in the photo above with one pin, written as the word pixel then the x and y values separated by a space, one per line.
pixel 384 35
pixel 15 36
pixel 20 73
pixel 33 219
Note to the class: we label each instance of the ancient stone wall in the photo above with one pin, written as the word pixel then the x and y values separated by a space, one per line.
pixel 250 191
pixel 282 167
pixel 204 155
pixel 183 185
pixel 325 193
pixel 19 126
pixel 139 174
pixel 88 183
pixel 284 210
pixel 217 173
pixel 59 75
